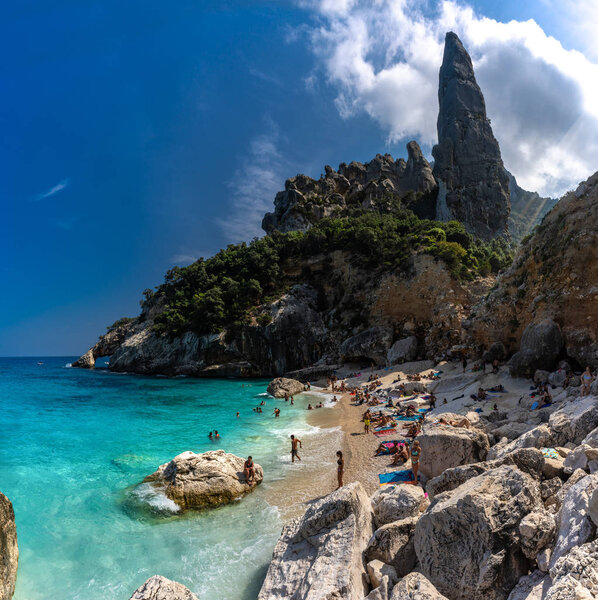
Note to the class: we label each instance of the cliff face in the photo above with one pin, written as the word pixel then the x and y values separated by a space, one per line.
pixel 9 551
pixel 554 276
pixel 473 183
pixel 310 322
pixel 305 201
pixel 527 210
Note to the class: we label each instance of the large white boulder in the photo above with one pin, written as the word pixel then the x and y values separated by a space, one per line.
pixel 204 480
pixel 320 555
pixel 282 386
pixel 468 542
pixel 9 551
pixel 160 588
pixel 393 503
pixel 444 447
pixel 574 524
pixel 531 587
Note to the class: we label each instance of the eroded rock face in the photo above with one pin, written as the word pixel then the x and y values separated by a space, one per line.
pixel 282 386
pixel 393 544
pixel 444 447
pixel 575 576
pixel 160 588
pixel 468 542
pixel 415 587
pixel 403 350
pixel 204 480
pixel 473 183
pixel 372 344
pixel 319 555
pixel 9 550
pixel 305 201
pixel 393 503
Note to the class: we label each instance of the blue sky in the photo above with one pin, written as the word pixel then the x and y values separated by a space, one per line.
pixel 139 135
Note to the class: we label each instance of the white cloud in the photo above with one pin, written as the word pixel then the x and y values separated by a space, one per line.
pixel 184 258
pixel 254 186
pixel 383 58
pixel 53 190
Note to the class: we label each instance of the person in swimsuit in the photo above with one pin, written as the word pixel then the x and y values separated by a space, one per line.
pixel 366 424
pixel 216 434
pixel 416 453
pixel 294 453
pixel 249 471
pixel 340 468
pixel 586 381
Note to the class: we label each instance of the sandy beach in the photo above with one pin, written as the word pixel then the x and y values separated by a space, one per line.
pixel 340 426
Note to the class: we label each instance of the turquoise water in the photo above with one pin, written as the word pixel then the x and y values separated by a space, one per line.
pixel 74 446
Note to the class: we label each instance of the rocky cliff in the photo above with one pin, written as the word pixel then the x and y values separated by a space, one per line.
pixel 9 551
pixel 553 277
pixel 375 184
pixel 473 183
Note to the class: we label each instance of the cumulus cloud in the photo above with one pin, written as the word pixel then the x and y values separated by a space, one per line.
pixel 383 56
pixel 53 190
pixel 254 186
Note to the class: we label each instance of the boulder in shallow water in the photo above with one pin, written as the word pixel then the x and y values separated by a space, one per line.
pixel 160 588
pixel 468 542
pixel 204 480
pixel 9 551
pixel 320 555
pixel 282 385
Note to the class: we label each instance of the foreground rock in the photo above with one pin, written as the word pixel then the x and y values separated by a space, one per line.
pixel 160 588
pixel 9 551
pixel 444 447
pixel 282 386
pixel 394 503
pixel 575 576
pixel 319 555
pixel 415 587
pixel 204 480
pixel 468 541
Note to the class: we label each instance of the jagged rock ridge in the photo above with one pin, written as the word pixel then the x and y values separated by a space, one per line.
pixel 371 185
pixel 473 183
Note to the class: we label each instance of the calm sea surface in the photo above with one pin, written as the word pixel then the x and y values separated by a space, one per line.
pixel 74 447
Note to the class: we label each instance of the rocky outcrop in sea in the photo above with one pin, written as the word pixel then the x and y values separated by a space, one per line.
pixel 9 550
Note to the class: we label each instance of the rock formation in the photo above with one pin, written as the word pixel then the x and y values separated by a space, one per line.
pixel 282 386
pixel 204 480
pixel 473 183
pixel 319 555
pixel 160 588
pixel 553 277
pixel 9 550
pixel 305 201
pixel 459 540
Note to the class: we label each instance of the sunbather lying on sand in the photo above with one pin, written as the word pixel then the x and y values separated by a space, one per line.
pixel 401 456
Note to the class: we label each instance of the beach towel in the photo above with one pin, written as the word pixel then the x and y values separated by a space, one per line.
pixel 534 406
pixel 423 410
pixel 478 410
pixel 405 476
pixel 550 453
pixel 414 418
pixel 385 432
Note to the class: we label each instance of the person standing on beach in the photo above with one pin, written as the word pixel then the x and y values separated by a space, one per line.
pixel 416 453
pixel 366 424
pixel 294 453
pixel 464 363
pixel 340 461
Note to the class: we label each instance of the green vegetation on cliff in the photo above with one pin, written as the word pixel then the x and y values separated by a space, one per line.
pixel 221 291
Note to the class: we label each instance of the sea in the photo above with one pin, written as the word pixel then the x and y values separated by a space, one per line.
pixel 75 446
